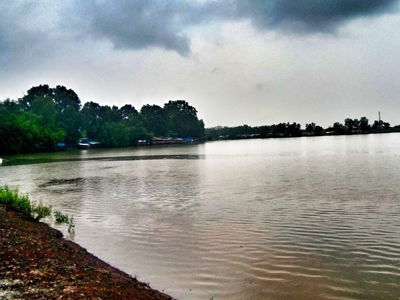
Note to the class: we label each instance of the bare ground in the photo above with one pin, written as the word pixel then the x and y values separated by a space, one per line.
pixel 36 262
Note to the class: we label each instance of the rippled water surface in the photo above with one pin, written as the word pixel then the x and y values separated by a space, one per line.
pixel 300 218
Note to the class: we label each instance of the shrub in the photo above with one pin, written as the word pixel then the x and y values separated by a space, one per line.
pixel 40 211
pixel 22 204
pixel 60 217
pixel 64 218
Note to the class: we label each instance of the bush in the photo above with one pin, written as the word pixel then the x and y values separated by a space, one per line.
pixel 60 218
pixel 40 211
pixel 22 204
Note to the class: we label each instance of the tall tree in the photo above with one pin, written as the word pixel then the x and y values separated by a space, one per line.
pixel 182 119
pixel 128 111
pixel 364 126
pixel 349 125
pixel 65 98
pixel 33 93
pixel 310 127
pixel 154 119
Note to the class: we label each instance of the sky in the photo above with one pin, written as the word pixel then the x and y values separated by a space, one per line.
pixel 236 61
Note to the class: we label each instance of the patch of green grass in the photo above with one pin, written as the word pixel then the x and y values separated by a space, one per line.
pixel 23 204
pixel 7 196
pixel 30 209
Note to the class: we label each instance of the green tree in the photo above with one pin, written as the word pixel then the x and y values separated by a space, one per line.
pixel 33 93
pixel 154 119
pixel 293 129
pixel 182 119
pixel 24 131
pixel 349 125
pixel 318 130
pixel 115 135
pixel 310 127
pixel 364 126
pixel 91 119
pixel 339 128
pixel 65 99
pixel 45 108
pixel 68 105
pixel 127 112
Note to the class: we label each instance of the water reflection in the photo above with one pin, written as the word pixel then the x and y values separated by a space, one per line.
pixel 263 219
pixel 41 160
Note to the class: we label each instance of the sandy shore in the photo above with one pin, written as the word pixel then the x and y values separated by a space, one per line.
pixel 37 263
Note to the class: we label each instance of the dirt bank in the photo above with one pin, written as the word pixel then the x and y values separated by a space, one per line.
pixel 37 263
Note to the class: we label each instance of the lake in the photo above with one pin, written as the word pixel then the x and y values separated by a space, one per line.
pixel 295 218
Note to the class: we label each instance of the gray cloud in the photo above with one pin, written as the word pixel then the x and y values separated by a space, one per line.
pixel 17 37
pixel 149 23
pixel 310 15
pixel 155 23
pixel 142 24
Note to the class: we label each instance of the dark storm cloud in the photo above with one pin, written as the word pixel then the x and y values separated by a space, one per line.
pixel 157 23
pixel 309 15
pixel 142 24
pixel 149 23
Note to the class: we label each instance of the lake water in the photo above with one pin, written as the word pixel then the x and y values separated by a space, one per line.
pixel 300 218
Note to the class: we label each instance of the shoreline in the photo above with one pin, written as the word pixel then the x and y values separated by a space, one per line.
pixel 38 263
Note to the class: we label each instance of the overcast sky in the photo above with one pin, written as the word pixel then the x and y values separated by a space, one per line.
pixel 237 61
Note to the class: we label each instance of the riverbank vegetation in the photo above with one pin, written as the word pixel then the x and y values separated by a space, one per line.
pixel 350 126
pixel 31 209
pixel 47 119
pixel 47 116
pixel 23 204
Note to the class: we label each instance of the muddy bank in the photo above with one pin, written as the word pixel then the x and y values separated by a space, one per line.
pixel 37 263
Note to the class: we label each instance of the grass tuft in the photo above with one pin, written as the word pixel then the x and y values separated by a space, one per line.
pixel 30 209
pixel 23 204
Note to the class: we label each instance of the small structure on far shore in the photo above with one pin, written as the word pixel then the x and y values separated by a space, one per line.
pixel 171 141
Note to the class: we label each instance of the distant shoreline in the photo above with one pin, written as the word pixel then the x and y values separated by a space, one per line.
pixel 7 162
pixel 303 134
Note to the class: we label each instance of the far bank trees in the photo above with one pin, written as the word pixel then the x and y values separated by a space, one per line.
pixel 350 126
pixel 46 116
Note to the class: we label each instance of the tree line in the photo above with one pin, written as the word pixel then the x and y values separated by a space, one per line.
pixel 350 126
pixel 46 116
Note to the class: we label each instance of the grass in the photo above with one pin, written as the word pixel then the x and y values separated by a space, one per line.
pixel 30 209
pixel 23 204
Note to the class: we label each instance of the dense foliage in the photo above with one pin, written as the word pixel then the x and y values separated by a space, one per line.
pixel 46 116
